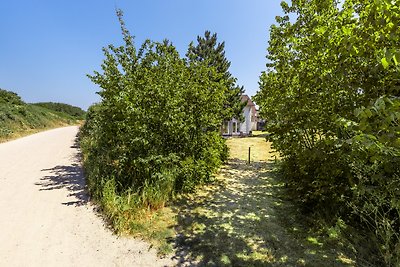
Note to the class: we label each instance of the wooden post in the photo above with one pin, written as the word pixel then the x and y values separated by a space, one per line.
pixel 249 154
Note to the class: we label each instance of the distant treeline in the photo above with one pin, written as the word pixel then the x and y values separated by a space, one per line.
pixel 65 108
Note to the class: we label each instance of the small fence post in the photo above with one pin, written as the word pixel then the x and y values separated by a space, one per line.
pixel 249 154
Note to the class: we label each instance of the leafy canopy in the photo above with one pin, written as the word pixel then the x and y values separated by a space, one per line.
pixel 156 131
pixel 331 96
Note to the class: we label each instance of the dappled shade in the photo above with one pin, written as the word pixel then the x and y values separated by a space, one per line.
pixel 245 220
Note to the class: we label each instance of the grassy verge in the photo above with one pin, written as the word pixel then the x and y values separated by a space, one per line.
pixel 16 122
pixel 260 150
pixel 19 119
pixel 155 227
pixel 245 218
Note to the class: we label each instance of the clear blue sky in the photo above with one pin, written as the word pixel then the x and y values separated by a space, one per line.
pixel 48 47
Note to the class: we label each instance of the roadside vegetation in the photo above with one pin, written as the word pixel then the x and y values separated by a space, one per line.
pixel 331 99
pixel 18 118
pixel 74 112
pixel 156 132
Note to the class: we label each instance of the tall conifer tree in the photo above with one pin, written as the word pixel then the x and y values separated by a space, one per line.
pixel 210 50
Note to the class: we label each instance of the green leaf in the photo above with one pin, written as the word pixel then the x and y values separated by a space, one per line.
pixel 395 60
pixel 346 30
pixel 355 49
pixel 385 63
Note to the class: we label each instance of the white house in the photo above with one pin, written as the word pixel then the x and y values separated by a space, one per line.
pixel 235 127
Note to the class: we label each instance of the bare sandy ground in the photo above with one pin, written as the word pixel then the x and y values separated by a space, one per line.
pixel 45 216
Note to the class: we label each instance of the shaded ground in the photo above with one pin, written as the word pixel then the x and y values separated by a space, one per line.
pixel 245 220
pixel 68 177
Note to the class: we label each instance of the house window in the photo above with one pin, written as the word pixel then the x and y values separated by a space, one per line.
pixel 234 127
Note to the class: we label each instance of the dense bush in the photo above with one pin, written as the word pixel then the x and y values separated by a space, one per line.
pixel 10 97
pixel 331 98
pixel 373 155
pixel 156 130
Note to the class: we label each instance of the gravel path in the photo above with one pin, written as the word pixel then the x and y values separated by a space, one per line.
pixel 45 216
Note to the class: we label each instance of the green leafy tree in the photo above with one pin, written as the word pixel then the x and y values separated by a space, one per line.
pixel 155 132
pixel 325 66
pixel 209 51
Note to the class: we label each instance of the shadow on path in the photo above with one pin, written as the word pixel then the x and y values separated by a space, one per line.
pixel 69 177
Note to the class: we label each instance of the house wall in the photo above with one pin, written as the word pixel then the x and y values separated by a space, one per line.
pixel 231 127
pixel 249 124
pixel 254 126
pixel 246 127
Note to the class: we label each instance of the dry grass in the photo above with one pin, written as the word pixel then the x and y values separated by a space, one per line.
pixel 156 227
pixel 260 150
pixel 244 218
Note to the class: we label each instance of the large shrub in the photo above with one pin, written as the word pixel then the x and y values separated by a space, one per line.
pixel 156 131
pixel 331 98
pixel 373 156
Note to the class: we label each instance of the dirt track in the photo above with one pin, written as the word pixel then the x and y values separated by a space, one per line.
pixel 45 217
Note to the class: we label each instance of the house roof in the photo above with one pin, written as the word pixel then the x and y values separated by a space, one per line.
pixel 246 98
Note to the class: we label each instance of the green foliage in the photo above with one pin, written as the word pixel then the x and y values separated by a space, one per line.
pixel 73 111
pixel 373 153
pixel 10 97
pixel 17 117
pixel 323 94
pixel 156 131
pixel 208 49
pixel 212 53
